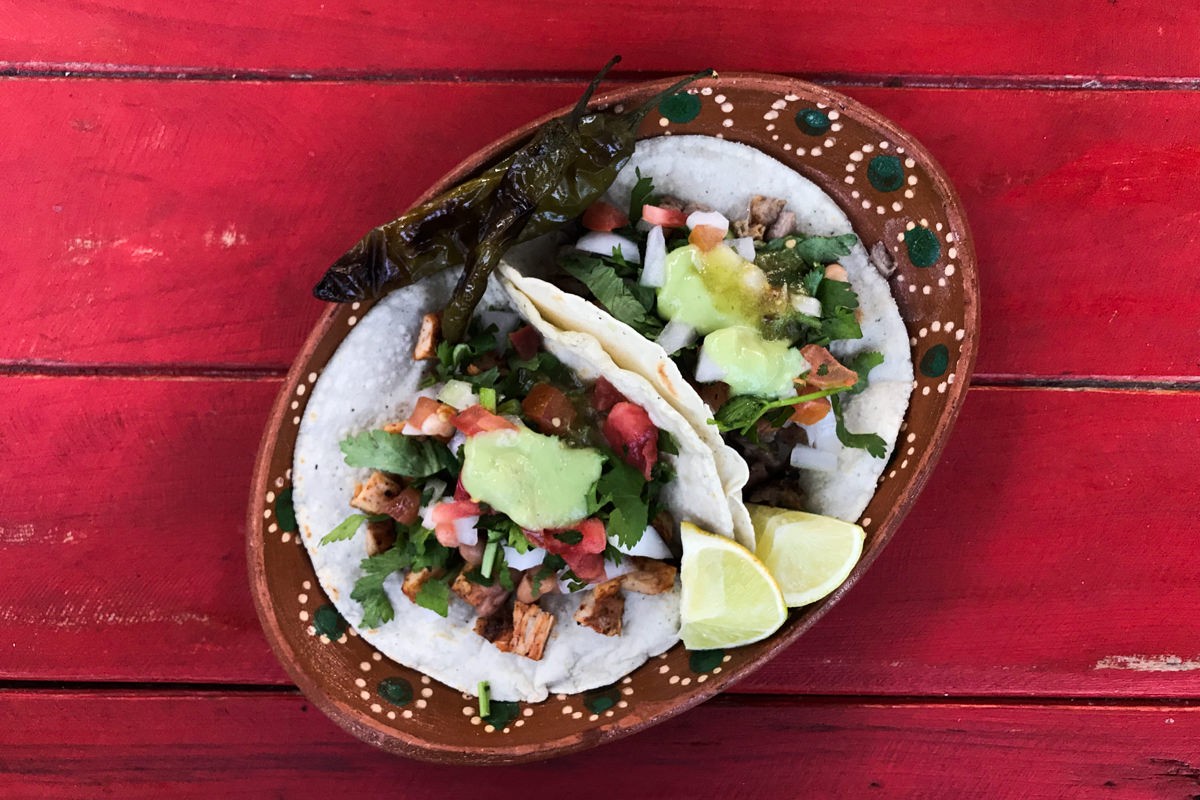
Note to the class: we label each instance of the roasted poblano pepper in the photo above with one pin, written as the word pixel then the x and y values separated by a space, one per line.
pixel 567 165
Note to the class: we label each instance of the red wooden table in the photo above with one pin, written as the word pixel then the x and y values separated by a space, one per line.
pixel 177 176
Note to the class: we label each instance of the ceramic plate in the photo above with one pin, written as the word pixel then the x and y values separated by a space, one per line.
pixel 893 192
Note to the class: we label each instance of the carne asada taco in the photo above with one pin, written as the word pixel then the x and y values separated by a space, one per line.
pixel 738 289
pixel 504 509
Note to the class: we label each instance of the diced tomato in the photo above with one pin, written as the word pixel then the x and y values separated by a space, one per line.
pixel 445 513
pixel 827 372
pixel 585 556
pixel 706 237
pixel 478 419
pixel 549 409
pixel 630 431
pixel 526 341
pixel 404 507
pixel 602 216
pixel 432 418
pixel 810 412
pixel 667 217
pixel 460 491
pixel 605 395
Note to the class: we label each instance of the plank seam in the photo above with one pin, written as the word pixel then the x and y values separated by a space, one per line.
pixel 93 71
pixel 727 700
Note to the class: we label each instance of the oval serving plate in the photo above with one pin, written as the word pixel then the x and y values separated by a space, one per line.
pixel 894 194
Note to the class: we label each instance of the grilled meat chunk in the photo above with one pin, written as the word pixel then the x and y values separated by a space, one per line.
pixel 427 338
pixel 649 576
pixel 487 600
pixel 497 629
pixel 603 609
pixel 762 215
pixel 376 495
pixel 531 630
pixel 525 589
pixel 381 536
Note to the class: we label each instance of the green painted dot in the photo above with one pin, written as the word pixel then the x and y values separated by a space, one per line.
pixel 935 361
pixel 812 121
pixel 705 660
pixel 599 702
pixel 396 691
pixel 923 247
pixel 328 622
pixel 285 515
pixel 501 713
pixel 885 173
pixel 682 107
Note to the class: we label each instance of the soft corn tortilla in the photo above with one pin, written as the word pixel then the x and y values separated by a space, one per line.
pixel 372 380
pixel 723 175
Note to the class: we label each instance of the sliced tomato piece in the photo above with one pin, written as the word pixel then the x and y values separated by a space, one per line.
pixel 585 556
pixel 549 409
pixel 405 506
pixel 432 418
pixel 587 567
pixel 478 419
pixel 706 237
pixel 602 216
pixel 810 412
pixel 826 371
pixel 594 538
pixel 605 395
pixel 526 341
pixel 631 432
pixel 667 217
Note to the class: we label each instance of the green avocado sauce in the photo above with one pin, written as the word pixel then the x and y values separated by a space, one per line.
pixel 753 365
pixel 536 481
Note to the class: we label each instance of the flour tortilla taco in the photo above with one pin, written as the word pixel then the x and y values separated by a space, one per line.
pixel 738 289
pixel 503 509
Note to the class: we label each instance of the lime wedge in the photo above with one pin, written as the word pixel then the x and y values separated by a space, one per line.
pixel 728 597
pixel 808 554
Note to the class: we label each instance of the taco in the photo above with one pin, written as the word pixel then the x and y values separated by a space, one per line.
pixel 503 509
pixel 738 289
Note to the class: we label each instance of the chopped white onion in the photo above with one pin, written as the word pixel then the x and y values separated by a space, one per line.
pixel 607 244
pixel 437 488
pixel 744 247
pixel 411 430
pixel 806 305
pixel 804 457
pixel 458 394
pixel 464 529
pixel 713 219
pixel 654 270
pixel 457 441
pixel 612 570
pixel 527 560
pixel 822 434
pixel 427 516
pixel 675 336
pixel 651 545
pixel 708 370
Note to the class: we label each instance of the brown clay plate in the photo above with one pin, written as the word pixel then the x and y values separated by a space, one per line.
pixel 893 192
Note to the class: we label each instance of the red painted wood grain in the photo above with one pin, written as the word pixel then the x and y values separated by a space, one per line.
pixel 1051 554
pixel 184 223
pixel 1074 37
pixel 62 744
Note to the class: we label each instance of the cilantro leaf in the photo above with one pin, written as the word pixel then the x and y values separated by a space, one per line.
pixel 790 259
pixel 569 537
pixel 870 442
pixel 667 444
pixel 639 196
pixel 349 526
pixel 812 281
pixel 434 594
pixel 836 294
pixel 368 590
pixel 409 456
pixel 863 363
pixel 622 486
pixel 615 294
pixel 742 412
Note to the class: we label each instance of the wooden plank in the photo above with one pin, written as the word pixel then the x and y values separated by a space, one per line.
pixel 204 212
pixel 1033 564
pixel 64 744
pixel 1073 37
